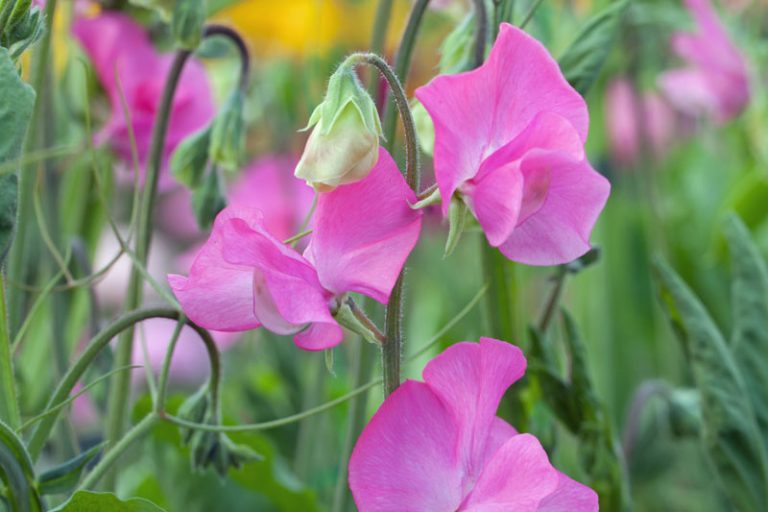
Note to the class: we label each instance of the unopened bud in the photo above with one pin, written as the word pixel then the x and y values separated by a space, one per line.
pixel 425 128
pixel 228 133
pixel 344 144
pixel 190 158
pixel 208 199
pixel 187 23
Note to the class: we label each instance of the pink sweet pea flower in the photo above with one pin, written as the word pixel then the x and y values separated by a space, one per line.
pixel 715 82
pixel 118 46
pixel 437 445
pixel 244 277
pixel 509 140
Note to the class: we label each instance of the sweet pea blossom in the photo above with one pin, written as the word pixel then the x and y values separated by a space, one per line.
pixel 120 49
pixel 509 142
pixel 438 446
pixel 244 277
pixel 715 82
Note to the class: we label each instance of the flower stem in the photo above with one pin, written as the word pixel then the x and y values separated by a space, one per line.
pixel 141 429
pixel 119 391
pixel 95 346
pixel 9 404
pixel 393 331
pixel 245 60
pixel 481 31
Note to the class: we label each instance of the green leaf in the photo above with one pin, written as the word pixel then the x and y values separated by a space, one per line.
pixel 15 114
pixel 749 340
pixel 582 61
pixel 729 432
pixel 190 159
pixel 85 501
pixel 64 478
pixel 17 474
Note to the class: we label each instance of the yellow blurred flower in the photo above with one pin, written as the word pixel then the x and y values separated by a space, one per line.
pixel 302 27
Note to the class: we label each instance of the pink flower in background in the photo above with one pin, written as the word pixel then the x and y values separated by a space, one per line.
pixel 267 184
pixel 509 139
pixel 634 120
pixel 244 277
pixel 118 46
pixel 715 81
pixel 190 362
pixel 437 445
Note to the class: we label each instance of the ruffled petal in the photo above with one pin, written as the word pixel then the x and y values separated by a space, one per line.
pixel 405 459
pixel 477 112
pixel 218 294
pixel 518 477
pixel 364 232
pixel 559 230
pixel 470 379
pixel 287 293
pixel 570 496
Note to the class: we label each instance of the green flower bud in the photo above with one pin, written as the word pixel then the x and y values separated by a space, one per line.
pixel 187 23
pixel 194 409
pixel 190 158
pixel 344 144
pixel 19 12
pixel 228 133
pixel 208 199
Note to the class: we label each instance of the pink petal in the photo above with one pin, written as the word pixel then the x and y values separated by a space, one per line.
pixel 364 232
pixel 477 112
pixel 495 197
pixel 218 294
pixel 517 478
pixel 559 230
pixel 470 379
pixel 689 91
pixel 405 459
pixel 570 496
pixel 622 120
pixel 287 295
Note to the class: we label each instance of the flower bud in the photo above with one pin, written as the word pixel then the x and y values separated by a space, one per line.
pixel 228 133
pixel 187 23
pixel 190 158
pixel 208 199
pixel 344 145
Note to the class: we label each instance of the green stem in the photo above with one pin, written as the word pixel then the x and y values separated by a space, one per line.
pixel 95 346
pixel 120 388
pixel 162 387
pixel 141 429
pixel 392 347
pixel 553 301
pixel 234 37
pixel 19 253
pixel 9 404
pixel 313 388
pixel 498 272
pixel 481 31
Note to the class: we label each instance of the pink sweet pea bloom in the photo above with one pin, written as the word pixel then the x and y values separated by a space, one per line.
pixel 438 446
pixel 118 46
pixel 715 82
pixel 244 277
pixel 509 140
